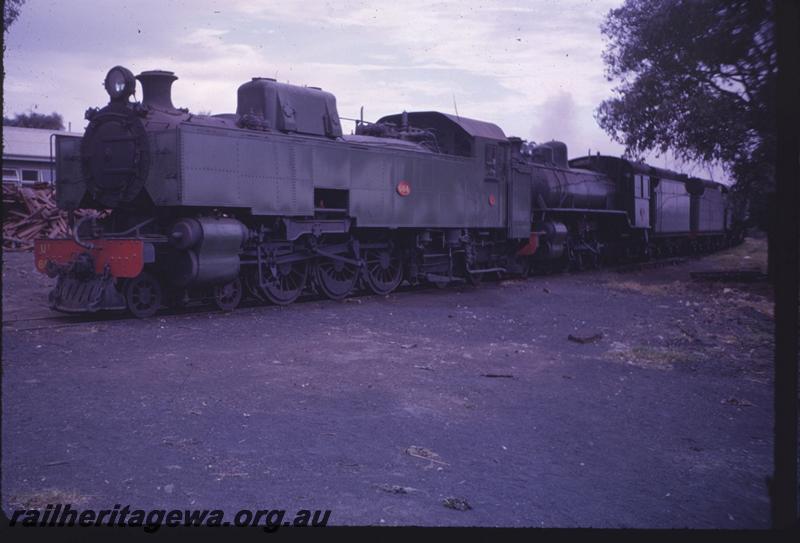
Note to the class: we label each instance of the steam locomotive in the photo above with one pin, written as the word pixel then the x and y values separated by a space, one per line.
pixel 275 200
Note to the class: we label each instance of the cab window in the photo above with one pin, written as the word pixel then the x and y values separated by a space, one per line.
pixel 491 160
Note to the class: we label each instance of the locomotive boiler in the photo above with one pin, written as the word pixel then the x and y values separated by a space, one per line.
pixel 275 200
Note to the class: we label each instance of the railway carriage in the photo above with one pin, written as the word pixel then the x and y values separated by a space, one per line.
pixel 677 213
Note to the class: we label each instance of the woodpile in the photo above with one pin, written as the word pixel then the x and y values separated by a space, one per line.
pixel 31 213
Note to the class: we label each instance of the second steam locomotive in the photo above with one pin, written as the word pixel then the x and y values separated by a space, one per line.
pixel 275 200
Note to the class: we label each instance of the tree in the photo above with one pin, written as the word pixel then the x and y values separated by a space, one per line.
pixel 698 78
pixel 54 121
pixel 11 12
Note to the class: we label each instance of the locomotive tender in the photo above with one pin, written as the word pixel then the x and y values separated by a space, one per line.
pixel 275 200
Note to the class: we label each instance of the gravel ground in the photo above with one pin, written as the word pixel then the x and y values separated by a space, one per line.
pixel 657 413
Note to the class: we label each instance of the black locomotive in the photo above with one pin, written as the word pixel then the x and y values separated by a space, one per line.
pixel 275 200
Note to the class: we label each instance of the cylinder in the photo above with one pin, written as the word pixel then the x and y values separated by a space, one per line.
pixel 208 252
pixel 186 233
pixel 183 268
pixel 553 238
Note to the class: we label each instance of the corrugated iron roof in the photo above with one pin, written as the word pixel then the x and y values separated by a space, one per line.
pixel 478 128
pixel 29 143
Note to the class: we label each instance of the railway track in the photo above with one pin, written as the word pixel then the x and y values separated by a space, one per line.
pixel 57 320
pixel 649 264
pixel 63 320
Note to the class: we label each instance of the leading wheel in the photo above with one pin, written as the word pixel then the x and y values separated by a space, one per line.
pixel 228 296
pixel 143 295
pixel 384 270
pixel 336 278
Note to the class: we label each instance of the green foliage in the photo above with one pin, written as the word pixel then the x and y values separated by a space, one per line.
pixel 54 121
pixel 698 78
pixel 11 12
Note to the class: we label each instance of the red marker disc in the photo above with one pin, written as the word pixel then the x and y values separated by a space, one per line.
pixel 403 188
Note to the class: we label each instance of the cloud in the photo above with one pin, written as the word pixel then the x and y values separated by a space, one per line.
pixel 511 63
pixel 493 56
pixel 556 119
pixel 522 47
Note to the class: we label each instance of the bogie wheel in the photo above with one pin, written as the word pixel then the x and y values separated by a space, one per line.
pixel 228 296
pixel 282 283
pixel 336 278
pixel 384 270
pixel 143 295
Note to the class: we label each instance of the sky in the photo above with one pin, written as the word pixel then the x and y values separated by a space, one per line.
pixel 532 67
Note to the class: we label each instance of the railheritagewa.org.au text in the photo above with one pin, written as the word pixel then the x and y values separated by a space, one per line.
pixel 65 515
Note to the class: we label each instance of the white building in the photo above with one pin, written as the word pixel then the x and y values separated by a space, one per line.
pixel 27 155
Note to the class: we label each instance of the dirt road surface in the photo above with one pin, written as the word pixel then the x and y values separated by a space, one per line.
pixel 657 413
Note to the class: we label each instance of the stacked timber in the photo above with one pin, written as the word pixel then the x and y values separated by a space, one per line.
pixel 31 213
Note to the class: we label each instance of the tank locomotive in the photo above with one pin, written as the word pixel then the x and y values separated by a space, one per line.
pixel 275 200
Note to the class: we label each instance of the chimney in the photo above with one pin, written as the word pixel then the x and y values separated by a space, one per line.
pixel 156 88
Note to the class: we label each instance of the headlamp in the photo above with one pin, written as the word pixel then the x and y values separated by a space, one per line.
pixel 120 84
